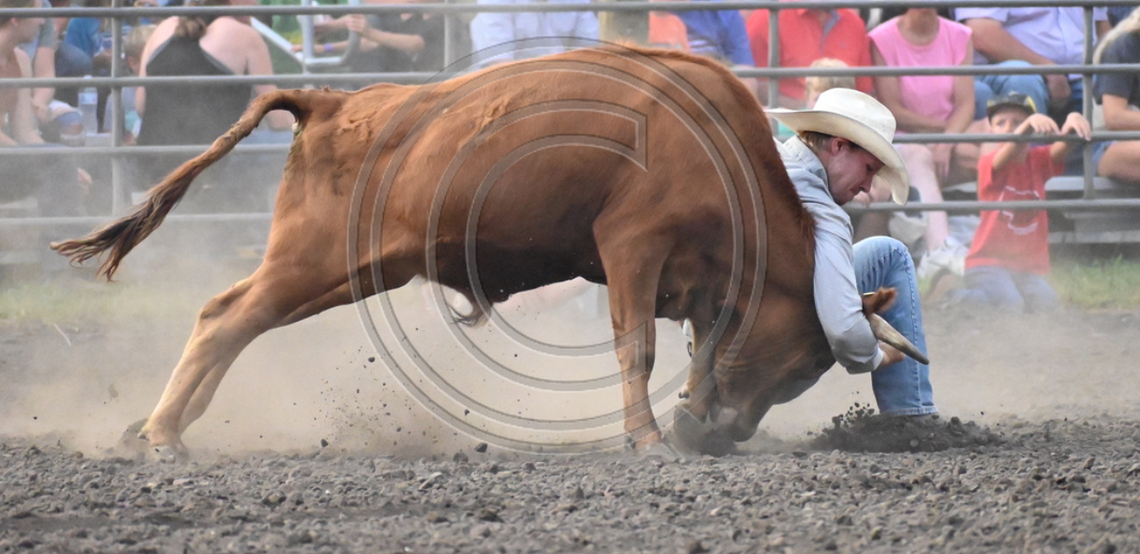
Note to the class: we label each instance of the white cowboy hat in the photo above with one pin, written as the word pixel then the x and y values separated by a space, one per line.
pixel 850 114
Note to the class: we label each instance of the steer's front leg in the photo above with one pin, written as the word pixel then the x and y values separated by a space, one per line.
pixel 633 268
pixel 635 351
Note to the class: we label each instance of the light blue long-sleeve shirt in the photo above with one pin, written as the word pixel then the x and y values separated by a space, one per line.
pixel 837 299
pixel 559 31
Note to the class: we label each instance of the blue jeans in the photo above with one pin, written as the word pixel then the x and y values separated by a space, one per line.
pixel 988 87
pixel 902 388
pixel 1001 288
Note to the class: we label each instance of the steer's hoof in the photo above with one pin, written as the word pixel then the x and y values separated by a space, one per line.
pixel 658 451
pixel 688 430
pixel 718 444
pixel 167 455
pixel 699 436
pixel 130 445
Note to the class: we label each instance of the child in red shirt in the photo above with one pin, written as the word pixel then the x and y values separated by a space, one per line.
pixel 1010 252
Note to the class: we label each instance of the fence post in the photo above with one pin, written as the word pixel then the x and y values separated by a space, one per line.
pixel 1087 102
pixel 773 57
pixel 629 26
pixel 119 199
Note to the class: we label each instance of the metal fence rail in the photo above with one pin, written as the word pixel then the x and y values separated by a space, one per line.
pixel 119 153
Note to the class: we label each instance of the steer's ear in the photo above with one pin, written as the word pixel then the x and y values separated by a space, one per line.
pixel 878 301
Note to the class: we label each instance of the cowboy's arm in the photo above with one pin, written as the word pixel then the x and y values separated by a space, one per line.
pixel 840 307
pixel 837 299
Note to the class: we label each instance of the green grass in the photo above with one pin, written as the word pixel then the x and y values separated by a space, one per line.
pixel 1112 283
pixel 1101 284
pixel 86 301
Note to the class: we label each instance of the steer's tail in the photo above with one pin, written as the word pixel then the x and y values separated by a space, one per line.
pixel 122 235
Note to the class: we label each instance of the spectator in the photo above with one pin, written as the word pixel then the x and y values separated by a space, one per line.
pixel 816 85
pixel 876 16
pixel 401 42
pixel 1116 14
pixel 58 121
pixel 87 34
pixel 1118 95
pixel 928 104
pixel 132 58
pixel 55 186
pixel 666 30
pixel 1010 252
pixel 137 21
pixel 720 35
pixel 1019 37
pixel 63 60
pixel 527 35
pixel 199 113
pixel 807 35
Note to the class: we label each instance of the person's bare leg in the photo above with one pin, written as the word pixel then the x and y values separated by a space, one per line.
pixel 964 160
pixel 1121 161
pixel 920 165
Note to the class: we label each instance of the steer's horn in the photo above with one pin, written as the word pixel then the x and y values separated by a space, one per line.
pixel 884 332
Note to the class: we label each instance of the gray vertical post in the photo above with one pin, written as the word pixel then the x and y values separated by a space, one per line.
pixel 1087 101
pixel 773 55
pixel 448 39
pixel 118 169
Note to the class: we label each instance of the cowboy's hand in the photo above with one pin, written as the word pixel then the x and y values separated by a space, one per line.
pixel 1038 124
pixel 1076 123
pixel 356 23
pixel 891 355
pixel 1059 89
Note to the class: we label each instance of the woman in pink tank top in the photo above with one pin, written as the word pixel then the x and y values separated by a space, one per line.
pixel 928 104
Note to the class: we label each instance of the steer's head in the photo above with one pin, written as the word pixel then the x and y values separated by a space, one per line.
pixel 785 353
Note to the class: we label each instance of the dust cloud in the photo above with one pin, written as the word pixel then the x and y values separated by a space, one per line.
pixel 538 374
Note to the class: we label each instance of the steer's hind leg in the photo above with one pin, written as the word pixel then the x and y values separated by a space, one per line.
pixel 204 393
pixel 226 325
pixel 398 270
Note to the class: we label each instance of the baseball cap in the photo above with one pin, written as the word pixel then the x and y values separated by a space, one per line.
pixel 1013 99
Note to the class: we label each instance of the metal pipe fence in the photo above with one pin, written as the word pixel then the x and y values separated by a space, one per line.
pixel 117 81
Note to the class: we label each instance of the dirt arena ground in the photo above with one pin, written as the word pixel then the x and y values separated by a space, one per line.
pixel 311 445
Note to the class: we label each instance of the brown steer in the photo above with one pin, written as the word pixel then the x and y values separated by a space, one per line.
pixel 652 172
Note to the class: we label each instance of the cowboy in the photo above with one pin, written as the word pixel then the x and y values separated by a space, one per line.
pixel 840 147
